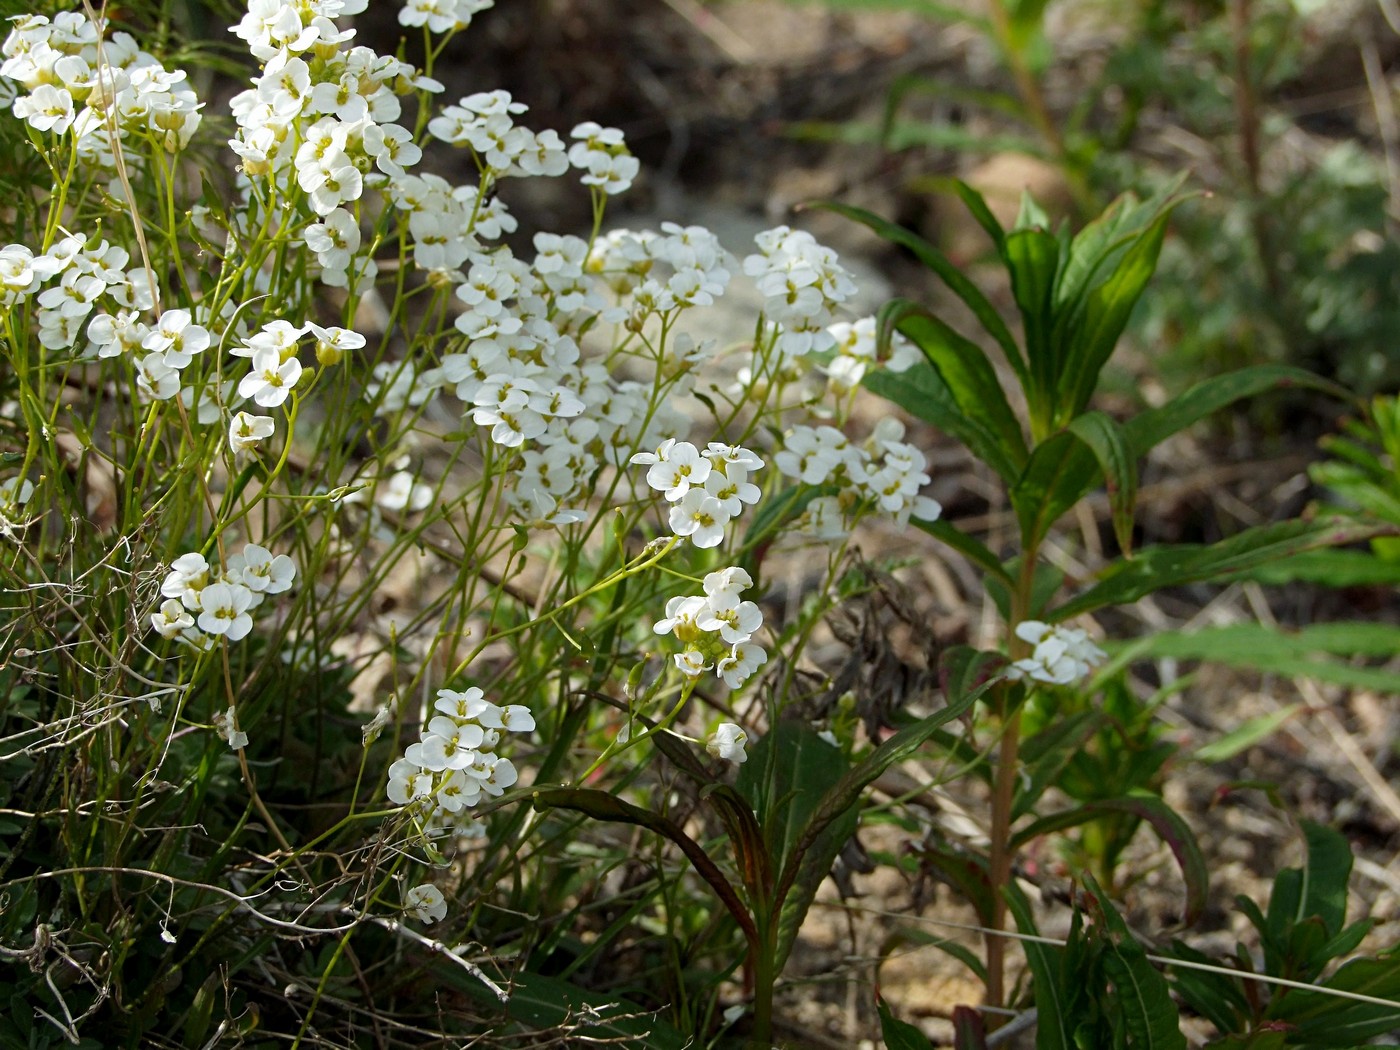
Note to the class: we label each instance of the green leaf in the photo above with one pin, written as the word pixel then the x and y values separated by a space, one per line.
pixel 969 1033
pixel 1033 257
pixel 1086 339
pixel 1214 996
pixel 916 935
pixel 972 549
pixel 939 264
pixel 897 1034
pixel 964 369
pixel 1106 440
pixel 1034 494
pixel 1046 754
pixel 1052 1024
pixel 1151 569
pixel 1322 1020
pixel 1333 568
pixel 1325 875
pixel 788 771
pixel 1245 735
pixel 833 821
pixel 1149 429
pixel 1170 827
pixel 542 1002
pixel 921 392
pixel 755 861
pixel 600 805
pixel 976 205
pixel 1143 998
pixel 1301 653
pixel 786 779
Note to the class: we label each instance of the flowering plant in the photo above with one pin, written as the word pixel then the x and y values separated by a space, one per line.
pixel 340 524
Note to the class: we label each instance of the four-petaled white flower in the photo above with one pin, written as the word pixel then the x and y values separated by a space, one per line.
pixel 727 742
pixel 425 903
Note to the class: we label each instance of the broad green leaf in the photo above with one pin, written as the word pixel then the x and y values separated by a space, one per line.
pixel 1105 439
pixel 1302 653
pixel 1052 1030
pixel 964 369
pixel 600 805
pixel 1153 568
pixel 1170 827
pixel 923 394
pixel 972 549
pixel 940 265
pixel 897 1034
pixel 1325 875
pixel 1143 996
pixel 1245 735
pixel 1085 344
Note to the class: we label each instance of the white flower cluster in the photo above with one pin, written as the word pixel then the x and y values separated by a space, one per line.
pixel 706 490
pixel 203 603
pixel 484 123
pixel 1062 654
pixel 803 285
pixel 677 268
pixel 857 350
pixel 455 765
pixel 440 16
pixel 716 629
pixel 885 474
pixel 72 87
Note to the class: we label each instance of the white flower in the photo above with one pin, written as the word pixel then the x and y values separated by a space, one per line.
pixel 271 380
pixel 172 620
pixel 246 430
pixel 678 465
pixel 1062 655
pixel 701 517
pixel 227 725
pixel 224 610
pixel 727 742
pixel 262 572
pixel 743 660
pixel 425 903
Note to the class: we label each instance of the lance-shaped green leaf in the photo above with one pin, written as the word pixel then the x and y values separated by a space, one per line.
pixel 1085 336
pixel 1304 653
pixel 1053 1023
pixel 1033 257
pixel 964 369
pixel 1152 568
pixel 939 264
pixel 1148 429
pixel 600 805
pixel 1324 1020
pixel 1106 440
pixel 976 205
pixel 972 549
pixel 1165 821
pixel 835 818
pixel 755 862
pixel 1033 494
pixel 1143 998
pixel 897 1034
pixel 921 392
